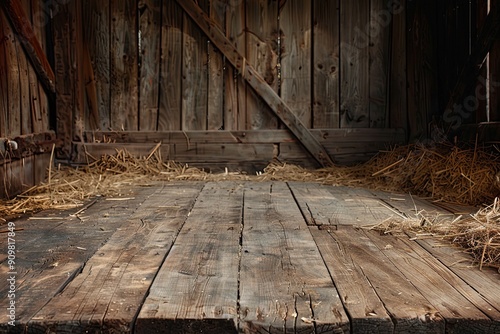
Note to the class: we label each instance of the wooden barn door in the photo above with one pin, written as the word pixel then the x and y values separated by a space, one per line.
pixel 150 67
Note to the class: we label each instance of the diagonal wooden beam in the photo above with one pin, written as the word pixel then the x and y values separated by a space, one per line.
pixel 257 82
pixel 21 24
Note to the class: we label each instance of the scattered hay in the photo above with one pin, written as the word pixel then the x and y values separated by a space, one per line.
pixel 478 234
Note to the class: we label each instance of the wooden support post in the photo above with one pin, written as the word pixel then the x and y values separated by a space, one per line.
pixel 257 82
pixel 472 67
pixel 21 24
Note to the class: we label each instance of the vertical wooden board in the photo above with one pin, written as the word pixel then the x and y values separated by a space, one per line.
pixel 262 54
pixel 326 69
pixel 64 72
pixel 4 83
pixel 194 75
pixel 41 20
pixel 124 76
pixel 296 25
pixel 77 58
pixel 284 284
pixel 494 68
pixel 215 111
pixel 40 166
pixel 13 80
pixel 149 60
pixel 196 288
pixel 97 40
pixel 422 90
pixel 170 112
pixel 354 63
pixel 398 99
pixel 379 29
pixel 235 86
pixel 26 79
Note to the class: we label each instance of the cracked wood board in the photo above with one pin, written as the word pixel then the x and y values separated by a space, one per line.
pixel 284 284
pixel 108 292
pixel 196 288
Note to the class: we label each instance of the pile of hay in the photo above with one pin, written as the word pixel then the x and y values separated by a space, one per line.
pixel 478 234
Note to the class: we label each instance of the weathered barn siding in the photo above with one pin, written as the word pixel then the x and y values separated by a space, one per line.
pixel 24 105
pixel 328 60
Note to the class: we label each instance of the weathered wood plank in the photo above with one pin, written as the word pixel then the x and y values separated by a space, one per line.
pixel 366 311
pixel 13 80
pixel 328 205
pixel 194 74
pixel 108 293
pixel 4 82
pixel 97 38
pixel 89 152
pixel 284 284
pixel 262 54
pixel 222 153
pixel 379 29
pixel 326 69
pixel 52 252
pixel 24 85
pixel 215 113
pixel 354 64
pixel 171 67
pixel 485 282
pixel 149 12
pixel 22 25
pixel 235 87
pixel 413 313
pixel 295 23
pixel 77 62
pixel 365 136
pixel 398 93
pixel 281 109
pixel 460 314
pixel 124 65
pixel 197 285
pixel 65 78
pixel 40 26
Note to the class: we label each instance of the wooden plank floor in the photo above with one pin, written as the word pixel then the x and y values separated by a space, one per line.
pixel 241 257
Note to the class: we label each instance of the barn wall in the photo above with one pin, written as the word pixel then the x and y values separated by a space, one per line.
pixel 24 106
pixel 146 66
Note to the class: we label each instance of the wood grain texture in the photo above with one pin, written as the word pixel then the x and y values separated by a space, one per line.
pixel 123 64
pixel 40 20
pixel 354 64
pixel 75 8
pixel 108 293
pixel 460 314
pixel 379 30
pixel 257 82
pixel 194 75
pixel 65 77
pixel 235 87
pixel 149 12
pixel 24 75
pixel 197 285
pixel 170 112
pixel 494 76
pixel 48 257
pixel 366 311
pixel 284 284
pixel 327 205
pixel 4 87
pixel 215 112
pixel 21 23
pixel 13 80
pixel 296 25
pixel 398 94
pixel 97 36
pixel 415 314
pixel 326 67
pixel 262 54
